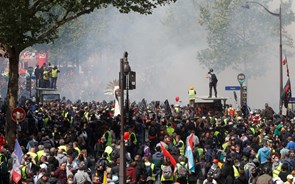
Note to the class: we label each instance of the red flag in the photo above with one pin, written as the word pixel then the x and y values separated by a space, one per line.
pixel 167 154
pixel 16 176
pixel 284 61
pixel 191 141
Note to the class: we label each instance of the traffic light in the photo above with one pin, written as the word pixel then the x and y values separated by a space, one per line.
pixel 28 83
pixel 132 80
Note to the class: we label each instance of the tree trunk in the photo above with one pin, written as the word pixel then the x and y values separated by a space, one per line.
pixel 12 90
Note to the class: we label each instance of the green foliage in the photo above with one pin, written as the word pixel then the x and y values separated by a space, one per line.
pixel 24 23
pixel 238 36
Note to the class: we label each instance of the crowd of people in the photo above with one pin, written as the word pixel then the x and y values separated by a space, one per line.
pixel 65 142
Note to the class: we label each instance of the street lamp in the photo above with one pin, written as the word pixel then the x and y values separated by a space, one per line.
pixel 125 70
pixel 281 51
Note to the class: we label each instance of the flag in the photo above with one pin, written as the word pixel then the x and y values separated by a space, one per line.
pixel 17 157
pixel 284 61
pixel 168 155
pixel 189 154
pixel 105 181
pixel 287 93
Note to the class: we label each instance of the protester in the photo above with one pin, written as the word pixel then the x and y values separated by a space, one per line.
pixel 63 144
pixel 212 82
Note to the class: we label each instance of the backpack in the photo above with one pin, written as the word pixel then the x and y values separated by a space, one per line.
pixel 153 131
pixel 115 154
pixel 214 78
pixel 182 171
pixel 166 171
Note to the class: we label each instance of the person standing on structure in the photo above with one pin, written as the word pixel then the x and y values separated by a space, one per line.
pixel 192 96
pixel 212 83
pixel 54 74
pixel 46 78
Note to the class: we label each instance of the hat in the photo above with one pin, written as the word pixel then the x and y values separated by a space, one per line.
pixel 215 161
pixel 289 176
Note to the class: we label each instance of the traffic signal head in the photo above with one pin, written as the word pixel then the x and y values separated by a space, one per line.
pixel 28 83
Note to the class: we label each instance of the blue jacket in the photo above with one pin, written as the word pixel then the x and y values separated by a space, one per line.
pixel 263 155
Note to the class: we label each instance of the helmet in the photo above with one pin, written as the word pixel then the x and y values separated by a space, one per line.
pixel 211 70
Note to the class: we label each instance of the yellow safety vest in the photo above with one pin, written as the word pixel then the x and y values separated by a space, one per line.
pixel 23 172
pixel 191 94
pixel 170 130
pixel 181 149
pixel 46 75
pixel 152 167
pixel 78 149
pixel 277 170
pixel 33 155
pixel 224 146
pixel 167 179
pixel 135 138
pixel 110 139
pixel 54 73
pixel 236 172
pixel 62 147
pixel 40 154
pixel 200 151
pixel 109 150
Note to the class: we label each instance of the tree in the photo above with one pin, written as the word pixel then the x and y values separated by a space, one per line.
pixel 24 23
pixel 241 38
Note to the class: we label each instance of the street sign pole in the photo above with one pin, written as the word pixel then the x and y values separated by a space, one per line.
pixel 241 78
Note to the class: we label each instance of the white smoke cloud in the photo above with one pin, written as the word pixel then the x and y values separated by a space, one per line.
pixel 165 60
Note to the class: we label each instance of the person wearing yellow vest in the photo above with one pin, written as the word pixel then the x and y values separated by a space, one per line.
pixel 276 166
pixel 181 170
pixel 227 171
pixel 33 154
pixel 179 144
pixel 46 83
pixel 167 172
pixel 107 136
pixel 236 168
pixel 169 129
pixel 108 150
pixel 40 152
pixel 54 74
pixel 132 137
pixel 150 169
pixel 192 96
pixel 76 147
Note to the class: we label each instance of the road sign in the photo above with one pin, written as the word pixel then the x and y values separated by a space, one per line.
pixel 232 88
pixel 241 78
pixel 18 114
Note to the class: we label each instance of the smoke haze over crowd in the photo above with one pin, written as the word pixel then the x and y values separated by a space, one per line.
pixel 163 53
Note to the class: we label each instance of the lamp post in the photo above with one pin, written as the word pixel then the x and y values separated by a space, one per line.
pixel 124 70
pixel 127 70
pixel 281 49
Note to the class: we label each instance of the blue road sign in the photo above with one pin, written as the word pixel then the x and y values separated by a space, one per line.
pixel 232 88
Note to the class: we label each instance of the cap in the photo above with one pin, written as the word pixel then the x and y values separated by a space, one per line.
pixel 215 161
pixel 290 176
